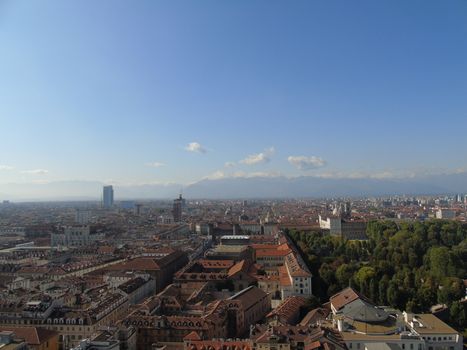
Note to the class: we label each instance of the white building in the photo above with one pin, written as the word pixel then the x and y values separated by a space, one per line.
pixel 300 277
pixel 12 231
pixel 75 236
pixel 436 334
pixel 333 224
pixel 445 214
pixel 365 326
pixel 82 217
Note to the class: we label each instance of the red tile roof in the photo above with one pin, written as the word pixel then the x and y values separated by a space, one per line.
pixel 344 297
pixel 192 336
pixel 32 335
pixel 289 309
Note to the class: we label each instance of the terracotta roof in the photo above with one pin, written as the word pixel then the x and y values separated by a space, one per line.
pixel 343 298
pixel 249 296
pixel 314 316
pixel 220 345
pixel 192 336
pixel 310 336
pixel 271 252
pixel 296 266
pixel 218 264
pixel 284 276
pixel 289 309
pixel 137 264
pixel 313 345
pixel 238 267
pixel 31 335
pixel 264 246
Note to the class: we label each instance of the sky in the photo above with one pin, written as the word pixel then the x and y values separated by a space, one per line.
pixel 135 92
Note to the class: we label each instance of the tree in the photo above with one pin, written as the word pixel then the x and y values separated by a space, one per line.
pixel 406 265
pixel 383 290
pixel 344 275
pixel 451 290
pixel 438 261
pixel 363 276
pixel 458 315
pixel 426 294
pixel 327 274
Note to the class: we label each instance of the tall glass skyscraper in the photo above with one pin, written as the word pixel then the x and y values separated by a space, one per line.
pixel 108 197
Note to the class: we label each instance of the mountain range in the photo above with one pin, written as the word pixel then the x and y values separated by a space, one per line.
pixel 241 187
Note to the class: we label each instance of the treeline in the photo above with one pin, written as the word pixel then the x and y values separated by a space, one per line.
pixel 409 266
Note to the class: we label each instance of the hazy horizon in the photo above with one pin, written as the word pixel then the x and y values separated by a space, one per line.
pixel 241 187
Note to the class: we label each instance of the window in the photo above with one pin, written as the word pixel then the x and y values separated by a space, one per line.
pixel 350 346
pixel 411 346
pixel 403 346
pixel 358 345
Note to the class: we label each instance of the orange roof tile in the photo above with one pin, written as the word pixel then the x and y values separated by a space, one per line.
pixel 344 297
pixel 32 335
pixel 192 336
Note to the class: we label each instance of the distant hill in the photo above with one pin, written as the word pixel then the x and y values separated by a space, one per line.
pixel 310 186
pixel 252 187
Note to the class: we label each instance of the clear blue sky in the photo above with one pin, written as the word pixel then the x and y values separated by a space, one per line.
pixel 102 90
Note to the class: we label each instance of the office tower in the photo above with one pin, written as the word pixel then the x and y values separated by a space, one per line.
pixel 177 209
pixel 108 197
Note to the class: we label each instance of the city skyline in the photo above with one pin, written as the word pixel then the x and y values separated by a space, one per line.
pixel 332 90
pixel 233 175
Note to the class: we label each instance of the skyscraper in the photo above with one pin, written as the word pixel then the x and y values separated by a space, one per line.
pixel 108 197
pixel 177 209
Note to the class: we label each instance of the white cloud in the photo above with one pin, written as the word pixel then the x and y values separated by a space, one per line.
pixel 263 157
pixel 6 167
pixel 306 163
pixel 219 174
pixel 155 164
pixel 195 147
pixel 229 164
pixel 35 171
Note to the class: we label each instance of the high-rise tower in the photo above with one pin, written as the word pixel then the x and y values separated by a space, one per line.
pixel 108 197
pixel 177 208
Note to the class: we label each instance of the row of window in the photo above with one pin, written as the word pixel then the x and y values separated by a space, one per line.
pixel 439 338
pixel 411 345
